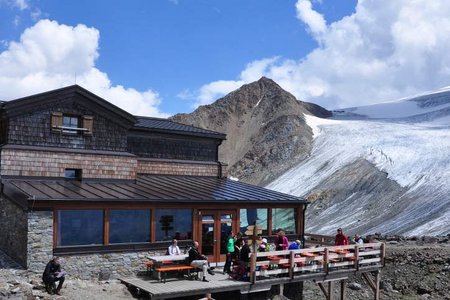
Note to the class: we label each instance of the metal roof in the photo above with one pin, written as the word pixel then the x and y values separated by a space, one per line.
pixel 147 188
pixel 174 127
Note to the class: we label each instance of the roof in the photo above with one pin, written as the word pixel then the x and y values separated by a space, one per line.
pixel 29 103
pixel 147 188
pixel 165 125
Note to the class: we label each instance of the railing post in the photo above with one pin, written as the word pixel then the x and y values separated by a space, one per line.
pixel 383 253
pixel 252 267
pixel 325 261
pixel 357 257
pixel 291 264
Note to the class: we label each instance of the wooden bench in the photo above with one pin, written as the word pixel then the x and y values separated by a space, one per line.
pixel 149 266
pixel 164 270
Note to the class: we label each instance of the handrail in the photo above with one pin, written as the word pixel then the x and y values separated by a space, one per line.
pixel 321 259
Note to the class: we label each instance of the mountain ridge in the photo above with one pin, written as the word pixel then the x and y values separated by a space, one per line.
pixel 385 170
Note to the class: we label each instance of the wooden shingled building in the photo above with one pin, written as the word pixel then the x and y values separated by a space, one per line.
pixel 87 181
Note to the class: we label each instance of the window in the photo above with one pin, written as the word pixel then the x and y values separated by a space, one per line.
pixel 251 216
pixel 129 226
pixel 80 227
pixel 70 124
pixel 283 219
pixel 173 224
pixel 72 174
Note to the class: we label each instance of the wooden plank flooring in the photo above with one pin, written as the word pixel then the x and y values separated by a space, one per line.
pixel 178 287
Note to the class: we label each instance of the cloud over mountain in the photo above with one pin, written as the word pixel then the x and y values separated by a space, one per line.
pixel 384 50
pixel 50 55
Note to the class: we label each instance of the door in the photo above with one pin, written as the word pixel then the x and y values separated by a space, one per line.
pixel 215 226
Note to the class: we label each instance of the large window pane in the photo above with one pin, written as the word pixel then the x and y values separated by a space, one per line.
pixel 129 226
pixel 283 219
pixel 251 215
pixel 80 227
pixel 173 224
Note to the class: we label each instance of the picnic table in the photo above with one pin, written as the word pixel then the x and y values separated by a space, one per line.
pixel 161 263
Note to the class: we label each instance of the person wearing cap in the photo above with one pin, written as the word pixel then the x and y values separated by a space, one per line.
pixel 295 245
pixel 263 247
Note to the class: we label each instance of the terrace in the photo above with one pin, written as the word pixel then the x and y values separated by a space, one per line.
pixel 325 265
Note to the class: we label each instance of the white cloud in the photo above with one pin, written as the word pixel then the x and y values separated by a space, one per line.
pixel 51 55
pixel 385 50
pixel 310 17
pixel 21 4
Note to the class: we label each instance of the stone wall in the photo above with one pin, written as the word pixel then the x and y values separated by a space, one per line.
pixel 104 266
pixel 16 162
pixel 169 167
pixel 13 231
pixel 40 239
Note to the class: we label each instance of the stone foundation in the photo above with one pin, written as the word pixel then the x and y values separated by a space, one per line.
pixel 40 239
pixel 13 231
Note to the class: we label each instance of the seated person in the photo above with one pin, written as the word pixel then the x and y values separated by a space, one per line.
pixel 295 245
pixel 174 249
pixel 198 260
pixel 358 240
pixel 53 273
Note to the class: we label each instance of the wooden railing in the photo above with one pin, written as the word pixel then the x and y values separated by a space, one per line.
pixel 318 239
pixel 264 265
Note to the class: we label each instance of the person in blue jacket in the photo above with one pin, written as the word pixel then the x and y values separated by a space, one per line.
pixel 295 245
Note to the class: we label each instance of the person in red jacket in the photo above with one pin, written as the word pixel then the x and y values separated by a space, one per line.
pixel 341 239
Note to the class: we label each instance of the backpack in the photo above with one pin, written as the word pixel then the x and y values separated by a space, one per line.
pixel 239 272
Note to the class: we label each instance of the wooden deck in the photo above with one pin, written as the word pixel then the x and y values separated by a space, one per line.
pixel 323 265
pixel 178 287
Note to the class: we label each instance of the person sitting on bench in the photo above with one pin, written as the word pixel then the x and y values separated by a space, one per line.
pixel 198 260
pixel 52 274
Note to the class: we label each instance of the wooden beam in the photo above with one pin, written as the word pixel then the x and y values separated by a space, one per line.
pixel 323 289
pixel 330 290
pixel 356 257
pixel 369 280
pixel 343 286
pixel 377 284
pixel 269 221
pixel 291 264
pixel 383 253
pixel 106 227
pixel 252 267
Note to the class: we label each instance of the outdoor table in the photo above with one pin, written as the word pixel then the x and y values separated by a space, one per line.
pixel 166 260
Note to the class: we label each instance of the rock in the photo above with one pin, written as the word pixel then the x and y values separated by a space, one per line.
pixel 386 286
pixel 354 286
pixel 424 288
pixel 15 290
pixel 104 274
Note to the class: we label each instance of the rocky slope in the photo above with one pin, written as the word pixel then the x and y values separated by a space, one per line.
pixel 265 127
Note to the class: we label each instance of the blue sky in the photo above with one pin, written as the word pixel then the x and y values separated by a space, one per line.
pixel 163 57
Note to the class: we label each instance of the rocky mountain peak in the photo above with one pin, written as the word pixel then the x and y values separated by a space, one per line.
pixel 265 127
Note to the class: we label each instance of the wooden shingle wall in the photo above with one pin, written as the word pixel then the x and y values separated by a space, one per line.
pixel 34 129
pixel 52 164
